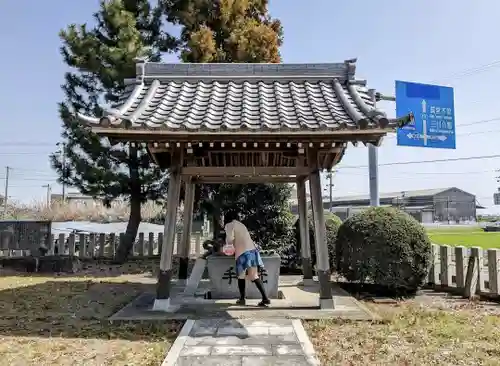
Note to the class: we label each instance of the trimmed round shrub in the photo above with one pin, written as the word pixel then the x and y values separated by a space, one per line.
pixel 385 247
pixel 332 223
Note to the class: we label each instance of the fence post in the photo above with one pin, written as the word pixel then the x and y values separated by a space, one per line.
pixel 83 245
pixel 102 243
pixel 434 270
pixel 71 244
pixel 460 266
pixel 112 245
pixel 61 244
pixel 159 243
pixel 52 244
pixel 122 237
pixel 478 252
pixel 445 261
pixel 493 274
pixel 472 275
pixel 151 244
pixel 140 245
pixel 92 245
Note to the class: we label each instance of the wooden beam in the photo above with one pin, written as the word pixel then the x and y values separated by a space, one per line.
pixel 245 180
pixel 247 136
pixel 239 150
pixel 240 171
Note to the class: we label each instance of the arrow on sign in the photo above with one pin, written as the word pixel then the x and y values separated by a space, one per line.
pixel 414 136
pixel 424 106
pixel 420 136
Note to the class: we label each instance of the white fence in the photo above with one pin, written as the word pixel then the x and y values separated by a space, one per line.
pixel 468 270
pixel 105 245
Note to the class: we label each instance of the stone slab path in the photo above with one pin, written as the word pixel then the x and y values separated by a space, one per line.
pixel 242 342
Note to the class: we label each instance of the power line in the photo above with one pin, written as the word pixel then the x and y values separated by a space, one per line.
pixel 481 121
pixel 469 72
pixel 425 161
pixel 41 179
pixel 406 173
pixel 29 170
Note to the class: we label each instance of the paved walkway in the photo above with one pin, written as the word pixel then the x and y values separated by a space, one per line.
pixel 241 342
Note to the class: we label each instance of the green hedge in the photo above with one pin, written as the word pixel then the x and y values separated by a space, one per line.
pixel 383 246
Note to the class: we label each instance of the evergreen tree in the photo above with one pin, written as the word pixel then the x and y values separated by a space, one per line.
pixel 101 59
pixel 234 31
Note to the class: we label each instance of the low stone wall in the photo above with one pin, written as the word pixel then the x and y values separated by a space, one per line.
pixel 47 264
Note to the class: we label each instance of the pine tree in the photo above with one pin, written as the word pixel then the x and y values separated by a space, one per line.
pixel 101 59
pixel 234 31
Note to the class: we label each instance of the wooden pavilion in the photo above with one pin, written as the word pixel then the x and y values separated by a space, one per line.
pixel 245 123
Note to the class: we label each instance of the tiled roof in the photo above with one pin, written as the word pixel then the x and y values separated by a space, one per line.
pixel 275 97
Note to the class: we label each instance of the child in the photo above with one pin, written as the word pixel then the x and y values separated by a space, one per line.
pixel 247 256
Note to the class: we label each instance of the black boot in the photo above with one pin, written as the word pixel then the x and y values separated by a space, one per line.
pixel 241 287
pixel 265 301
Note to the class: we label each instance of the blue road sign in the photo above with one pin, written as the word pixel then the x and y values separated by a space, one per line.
pixel 433 108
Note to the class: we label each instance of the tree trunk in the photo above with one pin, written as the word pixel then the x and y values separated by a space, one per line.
pixel 216 223
pixel 127 244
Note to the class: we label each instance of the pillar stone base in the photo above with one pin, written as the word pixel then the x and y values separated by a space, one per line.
pixel 326 304
pixel 163 285
pixel 183 268
pixel 325 285
pixel 325 290
pixel 162 301
pixel 165 306
pixel 307 270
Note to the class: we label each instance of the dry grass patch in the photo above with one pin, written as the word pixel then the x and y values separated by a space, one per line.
pixel 411 334
pixel 74 211
pixel 63 321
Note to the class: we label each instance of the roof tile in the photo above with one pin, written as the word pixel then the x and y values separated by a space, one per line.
pixel 245 96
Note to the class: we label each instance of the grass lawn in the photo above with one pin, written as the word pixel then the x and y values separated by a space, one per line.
pixel 63 321
pixel 467 237
pixel 410 335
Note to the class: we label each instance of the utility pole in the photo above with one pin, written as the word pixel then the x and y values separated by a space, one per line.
pixel 330 186
pixel 63 144
pixel 402 204
pixel 6 193
pixel 64 173
pixel 48 193
pixel 373 164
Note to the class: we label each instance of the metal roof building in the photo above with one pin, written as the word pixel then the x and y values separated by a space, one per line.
pixel 427 205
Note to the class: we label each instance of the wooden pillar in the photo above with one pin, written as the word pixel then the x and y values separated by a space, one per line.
pixel 321 246
pixel 185 248
pixel 162 301
pixel 305 248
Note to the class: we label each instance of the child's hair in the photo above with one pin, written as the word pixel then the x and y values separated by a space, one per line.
pixel 230 216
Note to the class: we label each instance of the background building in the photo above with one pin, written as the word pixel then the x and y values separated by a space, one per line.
pixel 426 205
pixel 75 198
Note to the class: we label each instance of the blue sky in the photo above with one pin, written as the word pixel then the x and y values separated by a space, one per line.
pixel 421 41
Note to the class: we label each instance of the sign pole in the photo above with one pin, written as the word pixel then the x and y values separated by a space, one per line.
pixel 373 166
